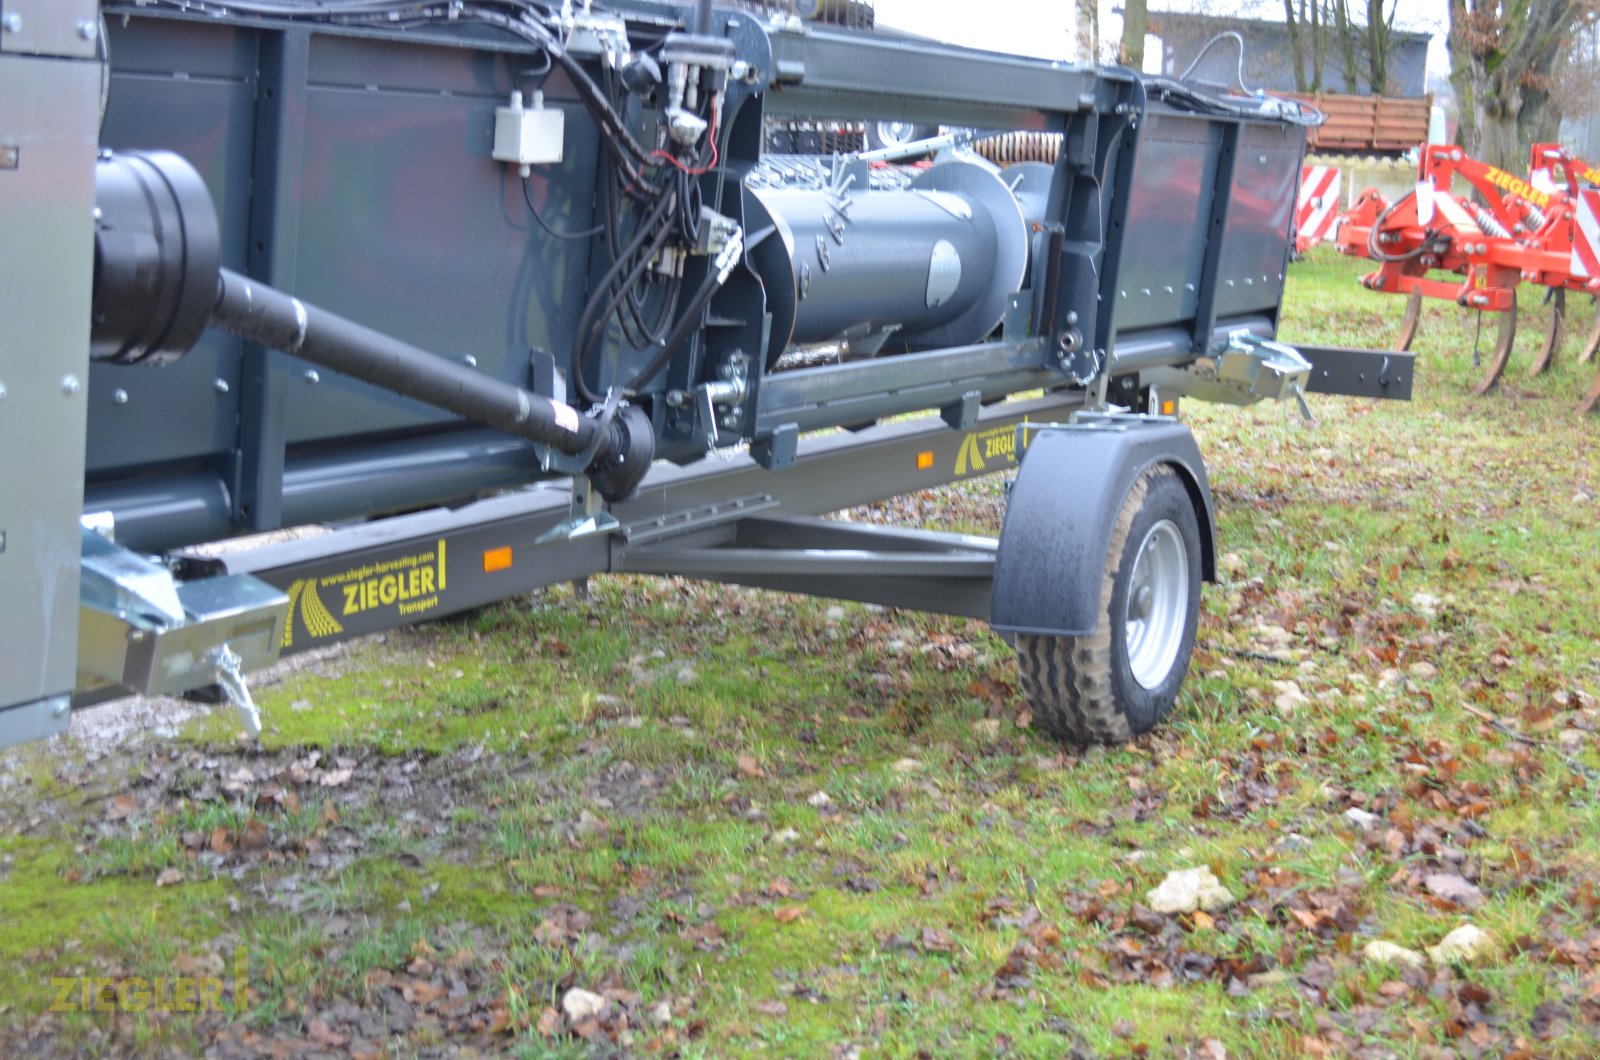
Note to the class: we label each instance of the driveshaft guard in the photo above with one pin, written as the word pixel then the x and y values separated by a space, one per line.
pixel 1062 508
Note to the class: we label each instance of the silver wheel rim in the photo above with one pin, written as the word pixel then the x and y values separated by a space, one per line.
pixel 895 133
pixel 1157 605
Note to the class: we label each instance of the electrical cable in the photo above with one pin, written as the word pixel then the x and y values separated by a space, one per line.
pixel 527 197
pixel 1227 34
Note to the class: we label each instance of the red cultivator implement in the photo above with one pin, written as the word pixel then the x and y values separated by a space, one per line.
pixel 1516 233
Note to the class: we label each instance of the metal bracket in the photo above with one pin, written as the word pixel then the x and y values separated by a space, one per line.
pixel 142 630
pixel 646 531
pixel 1243 370
pixel 552 459
pixel 588 517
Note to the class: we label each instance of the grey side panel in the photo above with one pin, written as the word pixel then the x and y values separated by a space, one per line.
pixel 1163 247
pixel 47 116
pixel 1063 506
pixel 1261 214
pixel 398 195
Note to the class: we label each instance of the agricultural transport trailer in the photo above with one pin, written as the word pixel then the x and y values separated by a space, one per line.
pixel 500 294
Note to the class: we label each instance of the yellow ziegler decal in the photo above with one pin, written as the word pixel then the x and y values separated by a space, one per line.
pixel 411 584
pixel 980 447
pixel 1517 186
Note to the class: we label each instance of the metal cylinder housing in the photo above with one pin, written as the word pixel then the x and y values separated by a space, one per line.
pixel 156 255
pixel 935 264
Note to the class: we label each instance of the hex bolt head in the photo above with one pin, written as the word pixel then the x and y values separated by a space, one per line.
pixel 70 385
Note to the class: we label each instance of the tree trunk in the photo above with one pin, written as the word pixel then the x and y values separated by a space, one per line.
pixel 1295 50
pixel 1501 63
pixel 1088 31
pixel 1319 41
pixel 1135 15
pixel 1347 45
pixel 1377 49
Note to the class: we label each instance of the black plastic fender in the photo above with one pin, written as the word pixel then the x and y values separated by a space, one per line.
pixel 1062 508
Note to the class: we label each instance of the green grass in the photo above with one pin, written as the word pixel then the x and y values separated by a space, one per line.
pixel 537 788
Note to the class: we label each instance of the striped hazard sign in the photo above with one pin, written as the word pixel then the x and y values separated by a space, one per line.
pixel 1586 234
pixel 1318 206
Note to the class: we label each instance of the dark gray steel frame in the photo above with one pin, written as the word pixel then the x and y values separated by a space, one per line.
pixel 727 520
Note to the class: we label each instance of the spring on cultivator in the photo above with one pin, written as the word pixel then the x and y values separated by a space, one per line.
pixel 1544 231
pixel 1011 148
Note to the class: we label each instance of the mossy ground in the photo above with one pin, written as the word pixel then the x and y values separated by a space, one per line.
pixel 621 792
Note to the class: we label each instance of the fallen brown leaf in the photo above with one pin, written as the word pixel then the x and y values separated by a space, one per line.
pixel 319 1031
pixel 256 836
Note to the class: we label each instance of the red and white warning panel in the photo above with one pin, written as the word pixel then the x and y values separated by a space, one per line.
pixel 1317 210
pixel 1586 234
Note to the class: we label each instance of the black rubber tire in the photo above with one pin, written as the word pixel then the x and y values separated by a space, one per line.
pixel 1082 689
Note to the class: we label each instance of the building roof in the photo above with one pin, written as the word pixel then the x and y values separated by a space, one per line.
pixel 1194 19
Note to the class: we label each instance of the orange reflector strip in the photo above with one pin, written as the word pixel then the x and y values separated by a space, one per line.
pixel 1169 408
pixel 496 559
pixel 924 460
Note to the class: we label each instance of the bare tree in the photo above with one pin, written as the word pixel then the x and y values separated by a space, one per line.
pixel 1503 58
pixel 1362 48
pixel 1088 31
pixel 1380 34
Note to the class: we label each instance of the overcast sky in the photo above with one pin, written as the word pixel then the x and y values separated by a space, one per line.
pixel 1044 27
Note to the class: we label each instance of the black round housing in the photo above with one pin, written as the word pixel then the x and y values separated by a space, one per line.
pixel 156 256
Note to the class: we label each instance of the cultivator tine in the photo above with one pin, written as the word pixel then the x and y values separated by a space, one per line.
pixel 1501 353
pixel 1591 400
pixel 1554 333
pixel 1591 344
pixel 1408 323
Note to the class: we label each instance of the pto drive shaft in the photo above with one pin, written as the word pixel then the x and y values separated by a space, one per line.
pixel 158 284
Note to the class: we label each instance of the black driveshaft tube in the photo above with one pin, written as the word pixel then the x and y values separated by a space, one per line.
pixel 620 449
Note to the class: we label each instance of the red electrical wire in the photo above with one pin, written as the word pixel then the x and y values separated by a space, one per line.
pixel 716 118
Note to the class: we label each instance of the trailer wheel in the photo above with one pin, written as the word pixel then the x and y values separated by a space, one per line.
pixel 881 134
pixel 1124 677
